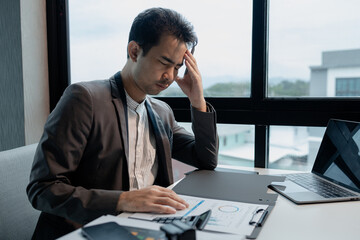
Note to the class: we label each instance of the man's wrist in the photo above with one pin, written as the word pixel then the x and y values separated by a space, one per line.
pixel 119 206
pixel 201 106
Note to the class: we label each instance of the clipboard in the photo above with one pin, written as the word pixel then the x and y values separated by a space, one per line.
pixel 232 186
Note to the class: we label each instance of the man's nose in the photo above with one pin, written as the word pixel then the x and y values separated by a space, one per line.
pixel 169 74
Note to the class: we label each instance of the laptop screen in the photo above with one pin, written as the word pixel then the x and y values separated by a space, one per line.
pixel 338 158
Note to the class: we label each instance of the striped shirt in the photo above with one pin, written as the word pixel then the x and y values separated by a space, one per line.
pixel 142 161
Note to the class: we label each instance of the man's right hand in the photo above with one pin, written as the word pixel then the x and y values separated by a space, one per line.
pixel 151 199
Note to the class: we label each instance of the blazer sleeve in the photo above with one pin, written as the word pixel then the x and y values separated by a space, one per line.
pixel 201 149
pixel 58 156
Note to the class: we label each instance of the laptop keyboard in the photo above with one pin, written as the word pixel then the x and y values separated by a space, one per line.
pixel 319 186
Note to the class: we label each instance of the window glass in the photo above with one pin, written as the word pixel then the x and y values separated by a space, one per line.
pixel 312 44
pixel 348 86
pixel 236 144
pixel 294 147
pixel 99 32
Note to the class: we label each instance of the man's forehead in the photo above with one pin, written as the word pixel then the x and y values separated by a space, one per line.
pixel 171 40
pixel 170 49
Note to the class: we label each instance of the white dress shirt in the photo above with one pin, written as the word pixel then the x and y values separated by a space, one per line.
pixel 142 162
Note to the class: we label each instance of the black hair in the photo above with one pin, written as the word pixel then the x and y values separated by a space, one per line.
pixel 152 23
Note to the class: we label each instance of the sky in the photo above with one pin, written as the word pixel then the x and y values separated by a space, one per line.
pixel 299 32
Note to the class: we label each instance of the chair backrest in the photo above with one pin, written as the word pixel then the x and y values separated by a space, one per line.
pixel 17 217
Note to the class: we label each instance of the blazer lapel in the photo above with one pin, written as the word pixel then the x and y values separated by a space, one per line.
pixel 120 104
pixel 165 175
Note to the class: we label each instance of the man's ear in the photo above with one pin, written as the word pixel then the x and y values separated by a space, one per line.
pixel 133 50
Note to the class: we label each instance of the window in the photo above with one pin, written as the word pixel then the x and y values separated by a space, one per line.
pixel 294 147
pixel 299 53
pixel 348 87
pixel 311 43
pixel 311 54
pixel 236 144
pixel 99 34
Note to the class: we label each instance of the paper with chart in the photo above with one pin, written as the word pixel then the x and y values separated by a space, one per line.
pixel 226 216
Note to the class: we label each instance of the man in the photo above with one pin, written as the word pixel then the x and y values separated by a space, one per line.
pixel 107 146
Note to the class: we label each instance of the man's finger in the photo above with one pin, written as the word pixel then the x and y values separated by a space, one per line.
pixel 174 196
pixel 158 208
pixel 170 202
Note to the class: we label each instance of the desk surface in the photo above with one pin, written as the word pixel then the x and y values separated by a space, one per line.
pixel 312 221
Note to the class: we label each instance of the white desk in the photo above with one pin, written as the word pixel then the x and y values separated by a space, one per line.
pixel 312 221
pixel 287 220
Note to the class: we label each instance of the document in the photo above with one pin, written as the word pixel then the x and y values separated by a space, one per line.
pixel 226 216
pixel 124 221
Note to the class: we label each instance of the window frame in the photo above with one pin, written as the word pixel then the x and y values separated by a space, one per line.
pixel 57 22
pixel 258 109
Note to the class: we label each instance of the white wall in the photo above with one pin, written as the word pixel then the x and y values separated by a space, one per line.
pixel 35 67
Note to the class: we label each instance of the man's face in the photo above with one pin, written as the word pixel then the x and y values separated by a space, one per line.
pixel 158 69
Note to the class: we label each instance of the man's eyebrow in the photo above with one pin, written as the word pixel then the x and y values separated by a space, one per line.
pixel 171 61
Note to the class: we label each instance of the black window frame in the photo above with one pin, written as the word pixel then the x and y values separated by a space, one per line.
pixel 258 109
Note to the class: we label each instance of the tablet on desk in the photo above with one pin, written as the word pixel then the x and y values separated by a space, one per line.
pixel 112 231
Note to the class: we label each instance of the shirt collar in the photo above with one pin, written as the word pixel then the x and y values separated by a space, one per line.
pixel 133 105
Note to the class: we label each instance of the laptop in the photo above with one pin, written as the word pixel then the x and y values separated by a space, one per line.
pixel 335 175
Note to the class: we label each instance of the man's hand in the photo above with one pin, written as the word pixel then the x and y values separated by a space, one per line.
pixel 191 83
pixel 151 199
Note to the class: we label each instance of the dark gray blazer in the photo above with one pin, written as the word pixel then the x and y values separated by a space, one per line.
pixel 80 165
